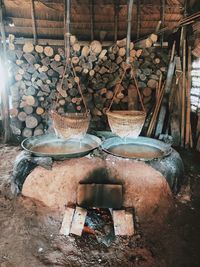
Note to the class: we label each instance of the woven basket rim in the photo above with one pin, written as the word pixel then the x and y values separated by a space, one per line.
pixel 72 115
pixel 126 113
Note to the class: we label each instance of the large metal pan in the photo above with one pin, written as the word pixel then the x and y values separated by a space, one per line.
pixel 50 145
pixel 141 148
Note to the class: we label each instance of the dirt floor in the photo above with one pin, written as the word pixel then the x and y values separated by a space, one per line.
pixel 29 232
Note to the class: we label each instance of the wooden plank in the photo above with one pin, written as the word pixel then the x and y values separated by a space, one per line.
pixel 78 221
pixel 123 223
pixel 67 221
pixel 163 109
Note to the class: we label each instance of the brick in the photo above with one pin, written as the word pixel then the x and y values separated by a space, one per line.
pixel 78 221
pixel 123 222
pixel 67 221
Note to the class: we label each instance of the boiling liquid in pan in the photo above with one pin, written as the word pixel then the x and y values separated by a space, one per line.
pixel 61 147
pixel 136 151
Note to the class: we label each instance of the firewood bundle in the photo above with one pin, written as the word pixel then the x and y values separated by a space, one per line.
pixel 38 70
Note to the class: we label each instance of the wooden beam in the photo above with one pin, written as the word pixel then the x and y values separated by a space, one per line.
pixel 92 19
pixel 33 21
pixel 138 18
pixel 116 20
pixel 128 37
pixel 54 42
pixel 3 89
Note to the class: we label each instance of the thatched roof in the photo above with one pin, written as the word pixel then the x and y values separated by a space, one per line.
pixel 50 16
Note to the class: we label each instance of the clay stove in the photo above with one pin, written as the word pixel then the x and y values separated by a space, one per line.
pixel 147 185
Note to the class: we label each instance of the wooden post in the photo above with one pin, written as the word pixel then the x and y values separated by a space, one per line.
pixel 3 89
pixel 67 34
pixel 33 21
pixel 92 19
pixel 162 17
pixel 138 18
pixel 183 95
pixel 116 20
pixel 188 87
pixel 128 38
pixel 183 30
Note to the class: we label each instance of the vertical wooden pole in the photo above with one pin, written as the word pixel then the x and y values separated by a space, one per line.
pixel 183 96
pixel 138 18
pixel 3 89
pixel 162 18
pixel 183 31
pixel 188 87
pixel 116 20
pixel 92 19
pixel 33 21
pixel 128 37
pixel 67 27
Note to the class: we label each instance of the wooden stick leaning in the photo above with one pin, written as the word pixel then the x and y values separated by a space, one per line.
pixel 156 110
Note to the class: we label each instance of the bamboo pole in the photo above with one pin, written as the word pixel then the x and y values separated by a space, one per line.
pixel 128 38
pixel 33 21
pixel 92 19
pixel 116 20
pixel 138 18
pixel 4 90
pixel 183 96
pixel 187 132
pixel 67 34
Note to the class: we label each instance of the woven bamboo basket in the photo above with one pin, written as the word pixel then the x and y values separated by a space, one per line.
pixel 70 124
pixel 126 123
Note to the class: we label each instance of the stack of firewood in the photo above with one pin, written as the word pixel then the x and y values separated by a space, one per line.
pixel 152 69
pixel 38 71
